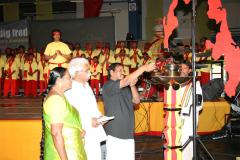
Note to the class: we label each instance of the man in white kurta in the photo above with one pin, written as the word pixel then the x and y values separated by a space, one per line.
pixel 82 98
pixel 187 111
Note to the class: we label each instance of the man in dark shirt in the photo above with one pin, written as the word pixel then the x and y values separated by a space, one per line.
pixel 119 95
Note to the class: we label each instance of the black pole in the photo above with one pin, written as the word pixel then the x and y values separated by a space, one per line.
pixel 195 137
pixel 194 80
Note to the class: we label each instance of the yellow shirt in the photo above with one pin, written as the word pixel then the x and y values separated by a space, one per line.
pixel 46 71
pixel 106 61
pixel 96 52
pixel 95 69
pixel 143 62
pixel 4 57
pixel 156 47
pixel 37 56
pixel 77 53
pixel 134 63
pixel 117 51
pixel 14 67
pixel 34 67
pixel 135 59
pixel 51 50
pixel 2 64
pixel 87 53
pixel 154 56
pixel 188 56
pixel 139 52
pixel 205 69
pixel 41 70
pixel 20 60
pixel 150 54
pixel 126 63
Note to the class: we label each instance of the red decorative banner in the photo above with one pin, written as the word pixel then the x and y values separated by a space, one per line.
pixel 92 8
pixel 224 44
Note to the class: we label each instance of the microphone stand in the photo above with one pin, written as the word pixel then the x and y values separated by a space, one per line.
pixel 195 138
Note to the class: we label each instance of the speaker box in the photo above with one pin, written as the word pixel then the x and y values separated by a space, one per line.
pixel 213 89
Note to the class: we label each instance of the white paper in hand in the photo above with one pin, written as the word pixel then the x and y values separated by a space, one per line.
pixel 105 118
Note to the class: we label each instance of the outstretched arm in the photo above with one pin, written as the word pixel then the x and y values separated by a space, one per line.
pixel 133 76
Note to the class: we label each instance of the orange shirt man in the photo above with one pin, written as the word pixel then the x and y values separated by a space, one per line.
pixel 57 53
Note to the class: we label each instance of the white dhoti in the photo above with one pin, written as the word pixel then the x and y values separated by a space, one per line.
pixel 120 149
pixel 187 131
pixel 187 153
pixel 92 149
pixel 187 117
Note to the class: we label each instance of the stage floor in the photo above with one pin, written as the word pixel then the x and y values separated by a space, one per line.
pixel 150 148
pixel 147 147
pixel 21 108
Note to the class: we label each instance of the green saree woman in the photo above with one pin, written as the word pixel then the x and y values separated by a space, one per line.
pixel 57 110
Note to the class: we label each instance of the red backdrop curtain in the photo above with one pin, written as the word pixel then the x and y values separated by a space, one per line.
pixel 92 8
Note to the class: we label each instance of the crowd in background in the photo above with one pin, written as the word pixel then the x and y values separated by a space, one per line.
pixel 28 70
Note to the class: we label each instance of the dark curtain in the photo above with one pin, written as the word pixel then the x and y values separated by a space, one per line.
pixel 92 8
